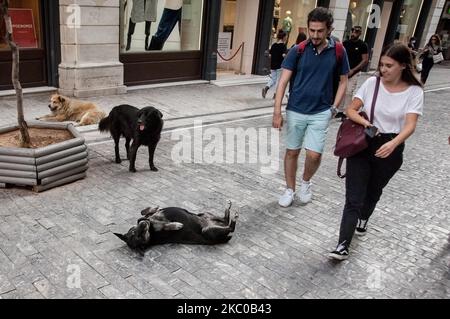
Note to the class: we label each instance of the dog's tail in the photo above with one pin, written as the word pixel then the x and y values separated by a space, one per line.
pixel 104 125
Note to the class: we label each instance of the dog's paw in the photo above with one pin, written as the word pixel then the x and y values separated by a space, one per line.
pixel 149 211
pixel 132 170
pixel 153 169
pixel 118 160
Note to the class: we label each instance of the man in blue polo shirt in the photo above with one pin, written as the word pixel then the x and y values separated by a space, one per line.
pixel 311 104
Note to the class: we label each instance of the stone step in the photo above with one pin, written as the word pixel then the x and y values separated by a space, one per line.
pixel 92 135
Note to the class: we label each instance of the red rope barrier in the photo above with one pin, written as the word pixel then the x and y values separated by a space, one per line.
pixel 240 47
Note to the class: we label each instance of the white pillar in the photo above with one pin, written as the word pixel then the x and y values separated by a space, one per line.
pixel 90 48
pixel 340 10
pixel 244 31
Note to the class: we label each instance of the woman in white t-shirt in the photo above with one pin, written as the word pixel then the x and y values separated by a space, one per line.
pixel 398 107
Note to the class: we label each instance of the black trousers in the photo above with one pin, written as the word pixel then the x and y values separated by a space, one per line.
pixel 366 177
pixel 427 64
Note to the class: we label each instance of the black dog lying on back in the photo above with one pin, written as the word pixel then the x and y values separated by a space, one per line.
pixel 143 126
pixel 177 225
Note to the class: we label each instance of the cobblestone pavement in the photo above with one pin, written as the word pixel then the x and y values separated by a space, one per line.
pixel 50 240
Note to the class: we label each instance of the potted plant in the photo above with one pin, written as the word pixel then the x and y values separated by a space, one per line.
pixel 40 155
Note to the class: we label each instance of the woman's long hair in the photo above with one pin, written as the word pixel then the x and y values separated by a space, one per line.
pixel 438 40
pixel 400 53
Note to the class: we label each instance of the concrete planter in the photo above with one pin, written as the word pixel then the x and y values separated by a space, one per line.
pixel 46 167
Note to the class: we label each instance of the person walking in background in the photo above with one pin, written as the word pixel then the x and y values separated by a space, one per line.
pixel 277 53
pixel 398 106
pixel 412 45
pixel 431 48
pixel 311 103
pixel 358 57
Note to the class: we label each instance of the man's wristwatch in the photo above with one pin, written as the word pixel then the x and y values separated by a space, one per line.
pixel 334 110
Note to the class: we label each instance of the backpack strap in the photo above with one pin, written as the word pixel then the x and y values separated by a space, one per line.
pixel 339 52
pixel 301 49
pixel 302 46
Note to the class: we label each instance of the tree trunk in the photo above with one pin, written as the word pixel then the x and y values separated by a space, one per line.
pixel 24 135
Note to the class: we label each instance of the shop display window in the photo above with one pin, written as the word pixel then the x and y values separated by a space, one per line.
pixel 292 17
pixel 26 21
pixel 409 15
pixel 158 25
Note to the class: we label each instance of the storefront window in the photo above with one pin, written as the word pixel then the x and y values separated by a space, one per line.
pixel 152 25
pixel 26 22
pixel 408 20
pixel 357 15
pixel 292 17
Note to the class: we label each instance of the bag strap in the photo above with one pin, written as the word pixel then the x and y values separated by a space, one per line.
pixel 339 166
pixel 374 99
pixel 372 112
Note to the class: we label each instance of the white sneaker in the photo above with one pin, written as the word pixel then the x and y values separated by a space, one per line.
pixel 305 194
pixel 287 198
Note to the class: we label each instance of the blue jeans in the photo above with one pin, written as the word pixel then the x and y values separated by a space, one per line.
pixel 166 25
pixel 274 78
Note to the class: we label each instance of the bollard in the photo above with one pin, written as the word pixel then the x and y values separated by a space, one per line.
pixel 242 60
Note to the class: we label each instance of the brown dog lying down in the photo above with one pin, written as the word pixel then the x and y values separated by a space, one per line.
pixel 67 109
pixel 177 225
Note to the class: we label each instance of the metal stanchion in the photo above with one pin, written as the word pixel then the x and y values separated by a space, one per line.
pixel 242 60
pixel 241 47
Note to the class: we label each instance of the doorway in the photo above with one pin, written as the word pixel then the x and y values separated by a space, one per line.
pixel 236 41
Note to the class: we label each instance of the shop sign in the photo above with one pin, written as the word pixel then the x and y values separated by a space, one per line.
pixel 24 31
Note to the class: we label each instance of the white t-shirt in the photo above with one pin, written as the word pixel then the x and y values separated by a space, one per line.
pixel 390 108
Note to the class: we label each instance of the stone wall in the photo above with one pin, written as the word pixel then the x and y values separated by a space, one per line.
pixel 90 48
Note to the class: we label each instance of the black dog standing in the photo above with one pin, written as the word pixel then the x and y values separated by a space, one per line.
pixel 142 126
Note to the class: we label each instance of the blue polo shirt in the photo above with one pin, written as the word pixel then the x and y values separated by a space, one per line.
pixel 312 91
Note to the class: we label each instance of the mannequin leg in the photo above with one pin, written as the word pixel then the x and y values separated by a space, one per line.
pixel 167 23
pixel 131 28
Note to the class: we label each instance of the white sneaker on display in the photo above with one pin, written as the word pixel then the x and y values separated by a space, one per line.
pixel 305 194
pixel 287 198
